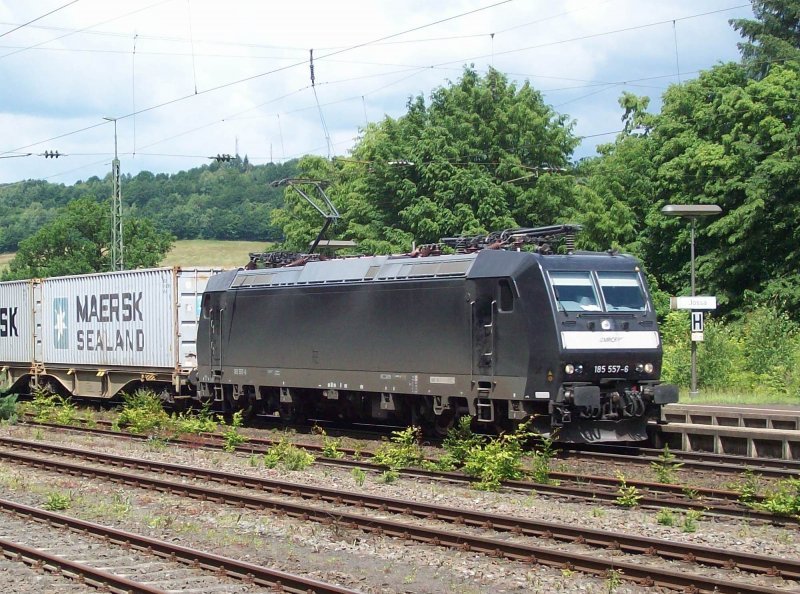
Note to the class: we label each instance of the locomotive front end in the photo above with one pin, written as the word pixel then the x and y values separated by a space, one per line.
pixel 610 351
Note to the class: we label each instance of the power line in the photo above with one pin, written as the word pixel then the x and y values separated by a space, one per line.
pixel 149 6
pixel 255 76
pixel 17 28
pixel 595 35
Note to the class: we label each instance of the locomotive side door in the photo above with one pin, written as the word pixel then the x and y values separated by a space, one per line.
pixel 212 311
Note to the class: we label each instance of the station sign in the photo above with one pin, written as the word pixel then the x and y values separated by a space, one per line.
pixel 702 302
pixel 697 326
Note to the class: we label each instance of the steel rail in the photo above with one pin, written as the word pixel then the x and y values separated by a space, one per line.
pixel 95 577
pixel 727 463
pixel 241 570
pixel 673 496
pixel 519 526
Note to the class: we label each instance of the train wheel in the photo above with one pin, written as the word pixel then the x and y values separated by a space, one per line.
pixel 444 422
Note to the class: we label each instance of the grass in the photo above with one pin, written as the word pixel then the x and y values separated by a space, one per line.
pixel 712 397
pixel 211 252
pixel 198 252
pixel 5 259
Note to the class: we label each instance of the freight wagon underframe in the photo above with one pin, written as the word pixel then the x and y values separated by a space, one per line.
pixel 97 382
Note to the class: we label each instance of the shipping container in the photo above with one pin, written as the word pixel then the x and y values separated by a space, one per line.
pixel 98 334
pixel 16 322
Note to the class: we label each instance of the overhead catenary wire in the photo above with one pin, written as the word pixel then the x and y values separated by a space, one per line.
pixel 149 6
pixel 252 77
pixel 363 95
pixel 30 22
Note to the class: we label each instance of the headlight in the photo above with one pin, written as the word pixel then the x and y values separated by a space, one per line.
pixel 648 368
pixel 569 368
pixel 605 324
pixel 639 368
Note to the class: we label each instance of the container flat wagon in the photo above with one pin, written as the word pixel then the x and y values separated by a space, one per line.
pixel 96 335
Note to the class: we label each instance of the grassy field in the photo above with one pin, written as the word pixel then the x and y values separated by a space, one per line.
pixel 198 252
pixel 206 252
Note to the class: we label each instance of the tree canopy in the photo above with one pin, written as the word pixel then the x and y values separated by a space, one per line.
pixel 215 201
pixel 78 242
pixel 482 155
pixel 773 37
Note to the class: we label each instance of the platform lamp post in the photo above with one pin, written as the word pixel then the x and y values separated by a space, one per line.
pixel 692 212
pixel 117 243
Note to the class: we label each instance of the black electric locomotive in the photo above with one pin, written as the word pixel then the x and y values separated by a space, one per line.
pixel 569 341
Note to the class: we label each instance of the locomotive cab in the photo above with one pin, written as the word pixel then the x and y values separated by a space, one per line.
pixel 609 349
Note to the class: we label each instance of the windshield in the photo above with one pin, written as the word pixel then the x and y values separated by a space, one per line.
pixel 575 291
pixel 622 291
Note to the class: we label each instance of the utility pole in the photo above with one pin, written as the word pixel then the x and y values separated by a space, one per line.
pixel 117 245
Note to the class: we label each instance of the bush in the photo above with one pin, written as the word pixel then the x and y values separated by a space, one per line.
pixel 403 451
pixel 288 455
pixel 461 440
pixel 498 460
pixel 142 412
pixel 49 407
pixel 8 408
pixel 759 352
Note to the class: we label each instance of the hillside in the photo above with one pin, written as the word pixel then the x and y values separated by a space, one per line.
pixel 225 201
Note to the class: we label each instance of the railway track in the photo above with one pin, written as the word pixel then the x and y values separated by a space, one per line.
pixel 114 560
pixel 721 463
pixel 705 461
pixel 587 487
pixel 505 532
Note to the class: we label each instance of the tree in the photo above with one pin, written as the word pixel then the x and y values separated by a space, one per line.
pixel 772 38
pixel 483 155
pixel 77 242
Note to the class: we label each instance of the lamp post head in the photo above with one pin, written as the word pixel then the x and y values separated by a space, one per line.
pixel 691 210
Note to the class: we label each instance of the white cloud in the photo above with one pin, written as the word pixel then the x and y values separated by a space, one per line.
pixel 566 49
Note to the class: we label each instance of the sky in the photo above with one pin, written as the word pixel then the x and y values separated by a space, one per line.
pixel 190 79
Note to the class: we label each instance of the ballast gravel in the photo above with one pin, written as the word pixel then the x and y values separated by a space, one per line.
pixel 351 558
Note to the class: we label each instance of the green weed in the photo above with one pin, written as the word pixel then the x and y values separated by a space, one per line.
pixel 783 499
pixel 461 440
pixel 690 520
pixel 540 458
pixel 667 467
pixel 288 455
pixel 402 452
pixel 231 438
pixel 613 580
pixel 666 517
pixel 497 460
pixel 57 501
pixel 142 412
pixel 749 487
pixel 359 476
pixel 627 495
pixel 388 476
pixel 186 423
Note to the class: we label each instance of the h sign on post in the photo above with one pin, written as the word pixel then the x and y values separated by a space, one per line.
pixel 697 326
